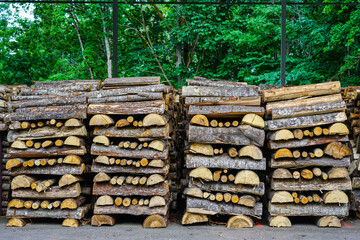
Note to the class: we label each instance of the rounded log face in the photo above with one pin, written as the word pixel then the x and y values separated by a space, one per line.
pixel 155 221
pixel 240 221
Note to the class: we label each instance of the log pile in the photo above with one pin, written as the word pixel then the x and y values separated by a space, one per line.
pixel 132 121
pixel 309 154
pixel 47 156
pixel 225 134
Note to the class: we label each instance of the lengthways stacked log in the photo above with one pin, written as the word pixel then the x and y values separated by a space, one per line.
pixel 133 146
pixel 351 96
pixel 310 155
pixel 225 135
pixel 47 156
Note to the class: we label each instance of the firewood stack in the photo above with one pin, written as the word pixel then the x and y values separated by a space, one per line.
pixel 309 154
pixel 47 156
pixel 225 135
pixel 132 122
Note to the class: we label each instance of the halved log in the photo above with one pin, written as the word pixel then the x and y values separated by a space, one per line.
pixel 154 179
pixel 329 221
pixel 105 200
pixel 251 151
pixel 282 173
pixel 101 177
pixel 72 203
pixel 285 93
pixel 247 200
pixel 283 153
pixel 338 129
pixel 155 221
pixel 200 120
pixel 157 145
pixel 72 159
pixel 157 201
pixel 122 123
pixel 70 222
pixel 279 135
pixel 14 162
pixel 279 221
pixel 337 150
pixel 201 148
pixel 101 120
pixel 335 196
pixel 193 191
pixel 334 173
pixel 16 203
pixel 100 219
pixel 68 179
pixel 247 177
pixel 17 222
pixel 101 140
pixel 202 173
pixel 19 145
pixel 73 122
pixel 281 197
pixel 253 120
pixel 240 221
pixel 74 141
pixel 191 218
pixel 22 181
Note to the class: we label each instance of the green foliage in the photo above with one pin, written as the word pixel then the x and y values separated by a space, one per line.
pixel 238 43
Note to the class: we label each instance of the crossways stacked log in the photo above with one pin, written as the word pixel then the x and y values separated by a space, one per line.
pixel 309 153
pixel 352 98
pixel 224 156
pixel 47 156
pixel 132 122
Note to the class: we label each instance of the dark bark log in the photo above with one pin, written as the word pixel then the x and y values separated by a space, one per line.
pixel 240 91
pixel 115 151
pixel 132 210
pixel 312 209
pixel 50 170
pixel 128 108
pixel 225 110
pixel 306 142
pixel 242 135
pixel 46 152
pixel 96 168
pixel 307 162
pixel 310 185
pixel 130 132
pixel 55 192
pixel 130 190
pixel 229 187
pixel 306 121
pixel 46 132
pixel 224 162
pixel 56 101
pixel 78 213
pixel 204 206
pixel 146 96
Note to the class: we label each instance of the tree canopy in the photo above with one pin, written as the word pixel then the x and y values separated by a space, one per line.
pixel 176 42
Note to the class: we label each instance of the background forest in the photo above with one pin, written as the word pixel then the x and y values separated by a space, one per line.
pixel 240 43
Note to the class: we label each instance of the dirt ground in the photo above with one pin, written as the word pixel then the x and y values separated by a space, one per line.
pixel 302 230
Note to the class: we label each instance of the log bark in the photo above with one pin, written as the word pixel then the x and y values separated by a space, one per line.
pixel 78 213
pixel 224 110
pixel 129 132
pixel 55 101
pixel 243 101
pixel 130 190
pixel 307 162
pixel 130 81
pixel 125 91
pixel 129 169
pixel 115 151
pixel 54 112
pixel 242 135
pixel 311 209
pixel 224 162
pixel 229 187
pixel 310 185
pixel 309 110
pixel 46 132
pixel 199 81
pixel 204 206
pixel 128 108
pixel 306 142
pixel 54 193
pixel 48 152
pixel 311 90
pixel 239 91
pixel 49 170
pixel 132 210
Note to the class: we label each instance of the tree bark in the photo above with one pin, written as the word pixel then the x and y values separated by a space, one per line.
pixel 49 170
pixel 309 162
pixel 130 190
pixel 152 132
pixel 239 91
pixel 46 152
pixel 244 101
pixel 146 96
pixel 310 185
pixel 224 110
pixel 306 142
pixel 132 210
pixel 55 192
pixel 128 108
pixel 290 209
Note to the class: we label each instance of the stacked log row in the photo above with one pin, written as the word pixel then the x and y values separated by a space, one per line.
pixel 133 125
pixel 225 134
pixel 47 156
pixel 310 154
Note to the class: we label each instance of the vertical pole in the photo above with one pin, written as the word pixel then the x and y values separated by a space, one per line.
pixel 1 174
pixel 283 42
pixel 115 38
